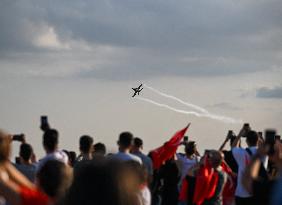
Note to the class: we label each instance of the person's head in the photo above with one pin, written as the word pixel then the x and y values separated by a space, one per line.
pixel 99 148
pixel 26 152
pixel 5 146
pixel 215 158
pixel 252 138
pixel 99 181
pixel 50 140
pixel 54 178
pixel 137 144
pixel 190 148
pixel 125 140
pixel 85 144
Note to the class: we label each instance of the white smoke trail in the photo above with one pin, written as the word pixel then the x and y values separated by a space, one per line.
pixel 208 115
pixel 177 99
pixel 169 107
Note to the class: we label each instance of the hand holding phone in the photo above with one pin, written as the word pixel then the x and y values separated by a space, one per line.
pixel 245 129
pixel 229 134
pixel 19 138
pixel 44 126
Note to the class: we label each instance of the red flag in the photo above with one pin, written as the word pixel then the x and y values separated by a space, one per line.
pixel 206 182
pixel 165 152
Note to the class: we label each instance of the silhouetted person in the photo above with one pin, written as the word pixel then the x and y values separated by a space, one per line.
pixel 103 182
pixel 124 145
pixel 228 156
pixel 170 175
pixel 242 156
pixel 189 159
pixel 50 144
pixel 137 150
pixel 99 149
pixel 26 167
pixel 215 159
pixel 52 180
pixel 85 147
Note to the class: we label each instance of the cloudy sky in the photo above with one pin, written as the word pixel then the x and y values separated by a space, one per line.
pixel 76 62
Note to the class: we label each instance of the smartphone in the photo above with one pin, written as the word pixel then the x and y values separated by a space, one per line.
pixel 246 125
pixel 270 140
pixel 230 134
pixel 18 137
pixel 44 120
pixel 247 128
pixel 44 123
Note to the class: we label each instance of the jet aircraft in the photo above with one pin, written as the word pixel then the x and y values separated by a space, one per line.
pixel 137 90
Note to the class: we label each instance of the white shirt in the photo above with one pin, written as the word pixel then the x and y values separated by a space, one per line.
pixel 122 156
pixel 243 158
pixel 186 164
pixel 57 155
pixel 145 196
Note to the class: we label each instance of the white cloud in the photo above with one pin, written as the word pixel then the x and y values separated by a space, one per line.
pixel 49 39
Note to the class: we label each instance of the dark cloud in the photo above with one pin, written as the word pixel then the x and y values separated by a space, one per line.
pixel 265 92
pixel 195 38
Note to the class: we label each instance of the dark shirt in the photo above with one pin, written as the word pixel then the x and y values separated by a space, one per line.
pixel 191 181
pixel 230 160
pixel 262 191
pixel 170 175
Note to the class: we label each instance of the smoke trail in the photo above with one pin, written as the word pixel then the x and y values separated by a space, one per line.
pixel 169 107
pixel 177 99
pixel 208 115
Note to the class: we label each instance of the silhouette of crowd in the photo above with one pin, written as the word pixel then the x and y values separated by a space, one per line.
pixel 240 175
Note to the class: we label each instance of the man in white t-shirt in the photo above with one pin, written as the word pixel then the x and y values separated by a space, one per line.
pixel 124 145
pixel 50 144
pixel 189 159
pixel 242 157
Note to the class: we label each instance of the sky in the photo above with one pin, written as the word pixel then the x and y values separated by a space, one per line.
pixel 76 61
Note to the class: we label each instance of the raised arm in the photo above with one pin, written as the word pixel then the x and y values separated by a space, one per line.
pixel 236 142
pixel 251 173
pixel 221 148
pixel 9 190
pixel 17 177
pixel 252 170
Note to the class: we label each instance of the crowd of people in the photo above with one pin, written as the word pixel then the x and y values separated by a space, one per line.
pixel 236 176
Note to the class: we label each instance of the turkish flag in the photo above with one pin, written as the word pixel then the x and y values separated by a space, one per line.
pixel 167 151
